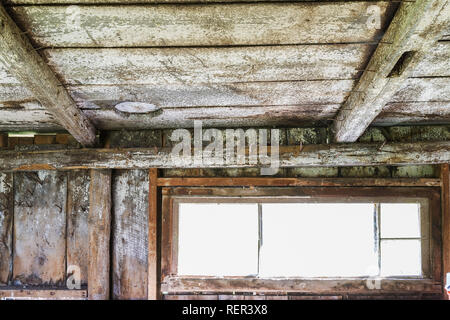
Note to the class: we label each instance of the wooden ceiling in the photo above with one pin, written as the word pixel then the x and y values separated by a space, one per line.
pixel 228 64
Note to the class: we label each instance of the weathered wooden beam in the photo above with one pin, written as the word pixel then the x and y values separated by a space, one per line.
pixel 42 294
pixel 77 241
pixel 153 280
pixel 174 285
pixel 322 155
pixel 414 30
pixel 297 182
pixel 445 178
pixel 99 235
pixel 6 224
pixel 129 235
pixel 20 59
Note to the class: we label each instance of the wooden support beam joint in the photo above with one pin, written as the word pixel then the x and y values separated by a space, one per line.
pixel 23 62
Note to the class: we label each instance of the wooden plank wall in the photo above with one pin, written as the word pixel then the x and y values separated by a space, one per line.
pixel 77 221
pixel 130 234
pixel 6 223
pixel 49 214
pixel 39 243
pixel 445 180
pixel 99 235
pixel 39 195
pixel 51 230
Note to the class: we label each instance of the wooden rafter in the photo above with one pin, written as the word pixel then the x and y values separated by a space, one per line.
pixel 413 31
pixel 325 155
pixel 24 63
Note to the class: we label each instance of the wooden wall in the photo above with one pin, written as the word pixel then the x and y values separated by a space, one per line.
pixel 45 219
pixel 44 229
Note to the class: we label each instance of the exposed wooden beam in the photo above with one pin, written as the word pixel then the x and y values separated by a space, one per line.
pixel 179 285
pixel 6 227
pixel 298 182
pixel 99 235
pixel 322 155
pixel 415 28
pixel 41 294
pixel 23 62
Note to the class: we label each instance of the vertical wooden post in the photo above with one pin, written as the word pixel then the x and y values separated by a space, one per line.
pixel 129 248
pixel 99 234
pixel 6 222
pixel 445 180
pixel 153 281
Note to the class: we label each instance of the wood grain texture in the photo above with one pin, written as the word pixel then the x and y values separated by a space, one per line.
pixel 304 182
pixel 422 112
pixel 423 90
pixel 99 235
pixel 402 113
pixel 445 178
pixel 6 223
pixel 165 66
pixel 322 155
pixel 65 2
pixel 130 234
pixel 435 62
pixel 20 118
pixel 19 57
pixel 6 77
pixel 153 252
pixel 174 285
pixel 213 95
pixel 39 228
pixel 216 117
pixel 42 294
pixel 202 25
pixel 416 27
pixel 14 92
pixel 77 221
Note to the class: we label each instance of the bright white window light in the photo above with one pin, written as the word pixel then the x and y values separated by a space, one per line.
pixel 218 239
pixel 401 258
pixel 301 240
pixel 401 245
pixel 318 240
pixel 400 220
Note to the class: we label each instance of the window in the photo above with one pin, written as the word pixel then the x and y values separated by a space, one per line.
pixel 299 239
pixel 276 236
pixel 218 239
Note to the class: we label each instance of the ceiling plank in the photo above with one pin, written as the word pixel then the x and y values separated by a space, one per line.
pixel 412 33
pixel 19 57
pixel 322 155
pixel 190 25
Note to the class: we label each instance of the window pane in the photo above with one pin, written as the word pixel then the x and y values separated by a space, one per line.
pixel 218 239
pixel 401 258
pixel 400 220
pixel 310 239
